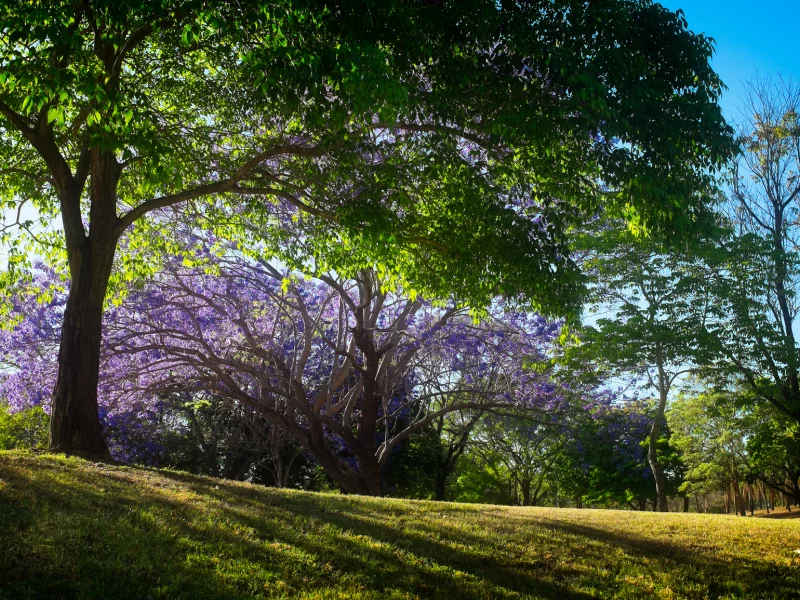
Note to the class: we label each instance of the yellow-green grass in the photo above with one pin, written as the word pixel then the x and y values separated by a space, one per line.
pixel 76 529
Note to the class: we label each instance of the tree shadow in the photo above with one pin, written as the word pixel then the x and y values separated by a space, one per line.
pixel 104 532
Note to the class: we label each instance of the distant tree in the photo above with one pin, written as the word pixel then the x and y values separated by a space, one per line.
pixel 773 446
pixel 453 436
pixel 607 454
pixel 436 452
pixel 454 143
pixel 711 430
pixel 757 281
pixel 653 308
pixel 24 429
pixel 521 448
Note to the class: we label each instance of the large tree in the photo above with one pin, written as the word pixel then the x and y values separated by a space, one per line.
pixel 454 142
pixel 650 310
pixel 758 277
pixel 347 369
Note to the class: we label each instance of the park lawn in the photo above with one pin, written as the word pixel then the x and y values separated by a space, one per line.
pixel 75 529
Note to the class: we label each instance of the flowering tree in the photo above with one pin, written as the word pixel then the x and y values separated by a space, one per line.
pixel 348 369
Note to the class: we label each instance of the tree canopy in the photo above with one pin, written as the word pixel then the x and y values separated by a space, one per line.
pixel 452 145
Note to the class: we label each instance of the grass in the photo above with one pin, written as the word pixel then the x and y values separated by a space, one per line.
pixel 75 529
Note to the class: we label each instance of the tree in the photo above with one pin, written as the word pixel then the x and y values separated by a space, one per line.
pixel 756 280
pixel 453 434
pixel 604 462
pixel 453 142
pixel 348 370
pixel 522 447
pixel 659 309
pixel 773 448
pixel 26 428
pixel 711 429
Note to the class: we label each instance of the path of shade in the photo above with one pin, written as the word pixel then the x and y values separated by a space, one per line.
pixel 76 529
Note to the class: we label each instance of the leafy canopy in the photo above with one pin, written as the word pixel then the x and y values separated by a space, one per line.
pixel 449 144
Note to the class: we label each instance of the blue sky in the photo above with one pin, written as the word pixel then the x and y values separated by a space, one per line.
pixel 751 37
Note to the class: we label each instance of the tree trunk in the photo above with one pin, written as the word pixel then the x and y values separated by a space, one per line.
pixel 441 486
pixel 738 499
pixel 655 432
pixel 74 423
pixel 525 484
pixel 686 504
pixel 373 482
pixel 74 419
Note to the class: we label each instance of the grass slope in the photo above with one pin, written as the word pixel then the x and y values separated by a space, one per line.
pixel 73 529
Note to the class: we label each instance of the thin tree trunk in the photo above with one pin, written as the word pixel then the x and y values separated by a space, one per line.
pixel 655 432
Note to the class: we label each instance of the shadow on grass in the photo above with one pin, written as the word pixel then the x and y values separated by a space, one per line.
pixel 106 533
pixel 777 514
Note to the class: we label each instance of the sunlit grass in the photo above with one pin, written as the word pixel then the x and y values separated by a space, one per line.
pixel 75 529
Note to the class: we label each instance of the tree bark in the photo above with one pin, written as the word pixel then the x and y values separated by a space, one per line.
pixel 525 484
pixel 738 498
pixel 441 486
pixel 655 432
pixel 74 424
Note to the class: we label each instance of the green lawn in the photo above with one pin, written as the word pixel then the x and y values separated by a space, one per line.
pixel 75 529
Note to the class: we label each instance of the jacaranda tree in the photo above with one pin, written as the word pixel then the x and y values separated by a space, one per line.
pixel 347 369
pixel 453 142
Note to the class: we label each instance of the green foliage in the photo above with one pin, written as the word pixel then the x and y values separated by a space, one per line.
pixel 652 305
pixel 711 431
pixel 26 429
pixel 406 136
pixel 774 444
pixel 411 470
pixel 475 481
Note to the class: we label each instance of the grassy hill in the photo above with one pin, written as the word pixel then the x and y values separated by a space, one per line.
pixel 75 529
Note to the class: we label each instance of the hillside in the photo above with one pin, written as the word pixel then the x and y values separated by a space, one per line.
pixel 75 529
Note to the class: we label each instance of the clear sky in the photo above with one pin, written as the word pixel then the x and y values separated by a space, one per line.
pixel 751 36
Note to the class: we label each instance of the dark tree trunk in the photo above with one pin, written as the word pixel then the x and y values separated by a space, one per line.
pixel 371 476
pixel 655 432
pixel 525 484
pixel 236 466
pixel 686 504
pixel 441 486
pixel 74 423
